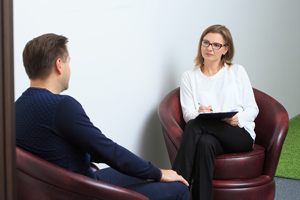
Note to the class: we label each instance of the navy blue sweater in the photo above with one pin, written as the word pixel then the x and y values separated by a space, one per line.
pixel 57 129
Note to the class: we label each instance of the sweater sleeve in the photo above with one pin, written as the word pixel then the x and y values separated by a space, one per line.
pixel 250 110
pixel 186 98
pixel 72 123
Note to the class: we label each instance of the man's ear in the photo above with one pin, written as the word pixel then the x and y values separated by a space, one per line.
pixel 58 66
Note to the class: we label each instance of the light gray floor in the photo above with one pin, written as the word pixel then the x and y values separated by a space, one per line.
pixel 287 189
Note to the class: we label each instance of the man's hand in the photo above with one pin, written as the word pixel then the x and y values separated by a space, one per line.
pixel 171 176
pixel 233 121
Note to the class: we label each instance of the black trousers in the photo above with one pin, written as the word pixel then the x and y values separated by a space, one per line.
pixel 202 141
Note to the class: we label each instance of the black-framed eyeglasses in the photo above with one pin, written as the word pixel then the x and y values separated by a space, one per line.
pixel 215 46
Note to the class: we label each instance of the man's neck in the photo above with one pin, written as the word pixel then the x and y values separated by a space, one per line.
pixel 46 84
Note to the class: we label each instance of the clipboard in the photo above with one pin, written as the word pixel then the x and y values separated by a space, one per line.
pixel 217 115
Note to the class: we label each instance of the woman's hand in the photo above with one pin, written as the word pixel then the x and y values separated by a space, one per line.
pixel 233 121
pixel 205 109
pixel 171 176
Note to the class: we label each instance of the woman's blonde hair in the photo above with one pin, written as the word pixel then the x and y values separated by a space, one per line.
pixel 227 58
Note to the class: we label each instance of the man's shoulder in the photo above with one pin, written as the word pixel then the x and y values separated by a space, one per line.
pixel 69 105
pixel 66 99
pixel 43 101
pixel 39 95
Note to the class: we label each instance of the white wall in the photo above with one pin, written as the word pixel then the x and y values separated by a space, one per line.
pixel 126 55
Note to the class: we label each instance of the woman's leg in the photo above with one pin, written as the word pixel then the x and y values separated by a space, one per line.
pixel 226 139
pixel 151 189
pixel 208 147
pixel 184 161
pixel 233 139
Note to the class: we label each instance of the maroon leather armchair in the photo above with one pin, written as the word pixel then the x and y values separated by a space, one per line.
pixel 38 179
pixel 248 175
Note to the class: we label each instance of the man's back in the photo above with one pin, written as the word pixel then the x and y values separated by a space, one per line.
pixel 36 118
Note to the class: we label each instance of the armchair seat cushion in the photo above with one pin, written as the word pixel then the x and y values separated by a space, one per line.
pixel 246 165
pixel 37 179
pixel 242 183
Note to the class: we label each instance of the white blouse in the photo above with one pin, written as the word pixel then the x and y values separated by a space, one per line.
pixel 229 89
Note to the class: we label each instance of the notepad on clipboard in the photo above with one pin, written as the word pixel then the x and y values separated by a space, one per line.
pixel 217 115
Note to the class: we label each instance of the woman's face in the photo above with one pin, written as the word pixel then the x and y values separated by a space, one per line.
pixel 209 47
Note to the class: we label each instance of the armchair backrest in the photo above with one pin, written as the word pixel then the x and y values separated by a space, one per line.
pixel 171 119
pixel 271 126
pixel 38 179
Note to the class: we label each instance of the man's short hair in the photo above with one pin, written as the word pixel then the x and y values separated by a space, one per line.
pixel 41 53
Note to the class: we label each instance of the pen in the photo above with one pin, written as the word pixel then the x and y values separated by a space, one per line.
pixel 206 106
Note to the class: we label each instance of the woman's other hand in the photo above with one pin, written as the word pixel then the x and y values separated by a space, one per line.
pixel 233 121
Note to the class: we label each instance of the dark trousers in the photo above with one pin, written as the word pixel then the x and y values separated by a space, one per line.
pixel 202 141
pixel 151 189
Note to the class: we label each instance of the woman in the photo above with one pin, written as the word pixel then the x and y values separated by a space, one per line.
pixel 214 84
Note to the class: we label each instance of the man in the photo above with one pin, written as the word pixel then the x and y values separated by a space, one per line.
pixel 56 128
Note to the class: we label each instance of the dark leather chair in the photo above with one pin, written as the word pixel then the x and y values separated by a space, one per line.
pixel 38 179
pixel 248 175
